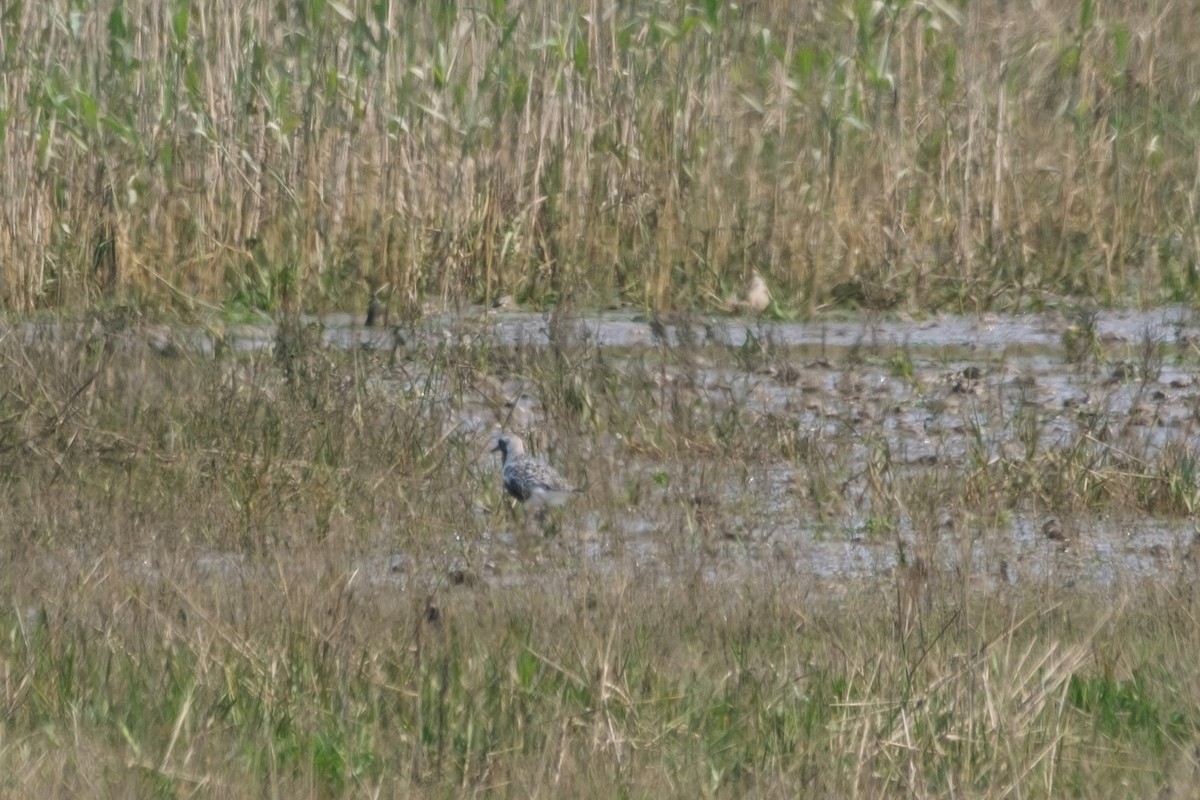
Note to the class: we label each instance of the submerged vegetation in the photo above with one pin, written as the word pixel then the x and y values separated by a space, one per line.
pixel 921 155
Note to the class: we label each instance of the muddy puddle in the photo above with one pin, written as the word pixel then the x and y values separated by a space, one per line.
pixel 945 394
pixel 942 393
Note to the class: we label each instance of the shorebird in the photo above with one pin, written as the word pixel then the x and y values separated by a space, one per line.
pixel 528 481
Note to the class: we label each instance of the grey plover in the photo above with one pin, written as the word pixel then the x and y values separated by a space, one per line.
pixel 530 482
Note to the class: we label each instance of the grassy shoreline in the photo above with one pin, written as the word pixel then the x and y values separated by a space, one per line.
pixel 593 683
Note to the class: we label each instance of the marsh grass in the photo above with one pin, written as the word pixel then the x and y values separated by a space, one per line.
pixel 920 155
pixel 302 681
pixel 283 573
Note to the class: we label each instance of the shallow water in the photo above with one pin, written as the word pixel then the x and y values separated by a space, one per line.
pixel 968 337
pixel 971 378
pixel 929 394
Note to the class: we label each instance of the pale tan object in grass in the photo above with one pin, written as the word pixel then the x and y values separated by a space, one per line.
pixel 756 297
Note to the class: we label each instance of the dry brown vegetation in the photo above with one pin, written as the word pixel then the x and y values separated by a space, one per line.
pixel 290 573
pixel 916 154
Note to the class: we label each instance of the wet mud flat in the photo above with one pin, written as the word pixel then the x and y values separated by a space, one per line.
pixel 854 416
pixel 831 450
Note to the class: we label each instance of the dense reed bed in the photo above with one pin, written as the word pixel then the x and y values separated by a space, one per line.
pixel 920 155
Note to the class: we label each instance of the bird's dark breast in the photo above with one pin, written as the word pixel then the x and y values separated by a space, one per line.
pixel 517 489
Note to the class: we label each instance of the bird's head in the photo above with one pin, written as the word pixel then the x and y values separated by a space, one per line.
pixel 508 444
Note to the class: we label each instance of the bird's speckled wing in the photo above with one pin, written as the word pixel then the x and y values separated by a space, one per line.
pixel 526 479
